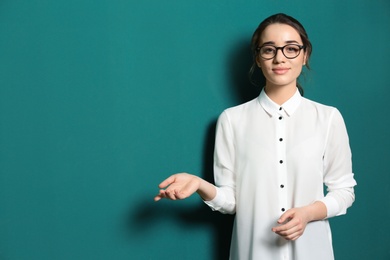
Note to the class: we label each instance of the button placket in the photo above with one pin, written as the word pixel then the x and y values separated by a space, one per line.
pixel 281 153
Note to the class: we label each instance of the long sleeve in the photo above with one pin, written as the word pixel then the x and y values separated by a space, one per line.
pixel 338 176
pixel 224 168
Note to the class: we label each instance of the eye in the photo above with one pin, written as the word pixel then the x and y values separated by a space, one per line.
pixel 292 49
pixel 267 50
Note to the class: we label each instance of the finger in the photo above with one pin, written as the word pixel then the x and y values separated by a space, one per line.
pixel 286 216
pixel 159 196
pixel 281 228
pixel 293 236
pixel 285 227
pixel 287 231
pixel 167 182
pixel 170 194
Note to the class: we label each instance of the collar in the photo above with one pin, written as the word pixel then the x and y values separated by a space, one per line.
pixel 272 108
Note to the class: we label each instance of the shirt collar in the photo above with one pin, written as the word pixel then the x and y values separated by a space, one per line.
pixel 272 108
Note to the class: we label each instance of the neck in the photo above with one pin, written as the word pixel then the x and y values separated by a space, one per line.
pixel 280 94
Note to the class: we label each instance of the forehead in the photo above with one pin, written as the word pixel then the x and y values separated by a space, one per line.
pixel 280 34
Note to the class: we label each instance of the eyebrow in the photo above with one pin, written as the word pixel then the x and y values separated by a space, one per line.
pixel 273 43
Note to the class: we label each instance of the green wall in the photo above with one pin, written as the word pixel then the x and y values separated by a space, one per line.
pixel 101 100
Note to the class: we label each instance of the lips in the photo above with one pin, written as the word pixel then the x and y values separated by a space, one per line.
pixel 280 71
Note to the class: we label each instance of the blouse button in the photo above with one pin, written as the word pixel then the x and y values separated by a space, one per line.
pixel 281 186
pixel 280 118
pixel 281 161
pixel 280 108
pixel 280 139
pixel 283 209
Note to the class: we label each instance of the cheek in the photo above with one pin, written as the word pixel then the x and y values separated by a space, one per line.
pixel 298 64
pixel 264 68
pixel 298 71
pixel 264 64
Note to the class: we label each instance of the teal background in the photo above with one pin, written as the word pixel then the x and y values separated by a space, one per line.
pixel 101 100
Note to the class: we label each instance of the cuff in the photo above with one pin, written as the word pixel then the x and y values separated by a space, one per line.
pixel 218 201
pixel 332 206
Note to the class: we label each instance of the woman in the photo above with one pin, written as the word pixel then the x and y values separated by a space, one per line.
pixel 272 156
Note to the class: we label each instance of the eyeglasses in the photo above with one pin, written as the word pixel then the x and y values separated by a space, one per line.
pixel 290 51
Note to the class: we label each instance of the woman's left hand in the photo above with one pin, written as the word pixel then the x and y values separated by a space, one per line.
pixel 292 223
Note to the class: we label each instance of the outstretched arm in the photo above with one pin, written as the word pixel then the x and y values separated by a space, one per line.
pixel 183 185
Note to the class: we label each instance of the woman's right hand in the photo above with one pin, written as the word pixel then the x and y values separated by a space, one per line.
pixel 183 185
pixel 178 186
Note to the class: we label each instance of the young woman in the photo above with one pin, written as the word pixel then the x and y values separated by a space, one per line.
pixel 272 156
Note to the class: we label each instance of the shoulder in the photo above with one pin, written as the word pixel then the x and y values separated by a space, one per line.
pixel 239 114
pixel 326 112
pixel 242 109
pixel 319 108
pixel 317 105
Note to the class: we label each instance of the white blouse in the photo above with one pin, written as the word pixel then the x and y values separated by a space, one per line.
pixel 270 158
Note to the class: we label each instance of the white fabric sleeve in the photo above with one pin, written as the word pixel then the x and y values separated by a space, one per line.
pixel 338 175
pixel 219 203
pixel 224 178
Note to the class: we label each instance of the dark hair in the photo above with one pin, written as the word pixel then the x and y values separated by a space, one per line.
pixel 283 19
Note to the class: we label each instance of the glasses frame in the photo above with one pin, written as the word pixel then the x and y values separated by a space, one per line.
pixel 282 49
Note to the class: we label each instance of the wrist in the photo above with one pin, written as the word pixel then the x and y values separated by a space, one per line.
pixel 206 190
pixel 316 211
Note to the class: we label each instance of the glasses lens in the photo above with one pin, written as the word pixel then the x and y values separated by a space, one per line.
pixel 291 51
pixel 267 52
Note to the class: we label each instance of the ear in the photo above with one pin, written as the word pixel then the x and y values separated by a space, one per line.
pixel 304 59
pixel 258 62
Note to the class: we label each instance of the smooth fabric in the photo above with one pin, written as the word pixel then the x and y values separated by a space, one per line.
pixel 271 158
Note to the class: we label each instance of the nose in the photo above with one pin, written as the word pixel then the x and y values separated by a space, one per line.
pixel 279 56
